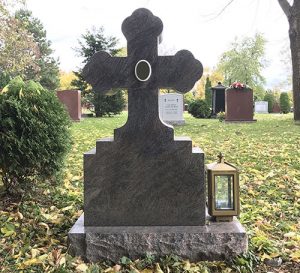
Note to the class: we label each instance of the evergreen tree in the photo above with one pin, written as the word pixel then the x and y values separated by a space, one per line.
pixel 48 73
pixel 285 104
pixel 208 96
pixel 270 98
pixel 91 42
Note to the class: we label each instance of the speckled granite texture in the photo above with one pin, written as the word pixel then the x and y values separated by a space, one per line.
pixel 215 241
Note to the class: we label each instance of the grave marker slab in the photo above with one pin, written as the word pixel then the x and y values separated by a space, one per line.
pixel 171 108
pixel 261 107
pixel 239 105
pixel 72 101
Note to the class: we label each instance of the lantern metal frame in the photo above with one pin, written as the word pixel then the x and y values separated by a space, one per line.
pixel 218 169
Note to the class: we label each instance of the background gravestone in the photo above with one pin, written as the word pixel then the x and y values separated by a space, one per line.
pixel 239 105
pixel 72 101
pixel 144 190
pixel 171 108
pixel 261 107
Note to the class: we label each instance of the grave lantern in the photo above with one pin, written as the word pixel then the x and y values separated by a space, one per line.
pixel 218 99
pixel 223 190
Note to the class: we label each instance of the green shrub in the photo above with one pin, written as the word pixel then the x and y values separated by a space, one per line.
pixel 108 105
pixel 270 98
pixel 199 109
pixel 34 135
pixel 285 104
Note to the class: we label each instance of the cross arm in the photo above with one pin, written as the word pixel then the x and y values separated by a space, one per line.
pixel 179 72
pixel 105 72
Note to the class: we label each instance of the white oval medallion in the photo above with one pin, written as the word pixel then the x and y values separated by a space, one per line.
pixel 143 70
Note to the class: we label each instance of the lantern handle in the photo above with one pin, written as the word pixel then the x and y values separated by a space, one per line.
pixel 221 158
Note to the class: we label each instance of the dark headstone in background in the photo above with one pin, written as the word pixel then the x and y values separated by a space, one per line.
pixel 218 98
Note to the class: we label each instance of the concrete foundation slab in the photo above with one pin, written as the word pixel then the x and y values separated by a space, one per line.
pixel 214 241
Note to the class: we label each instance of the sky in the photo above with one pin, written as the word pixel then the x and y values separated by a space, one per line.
pixel 196 25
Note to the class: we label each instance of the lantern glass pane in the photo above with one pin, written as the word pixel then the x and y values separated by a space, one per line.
pixel 224 192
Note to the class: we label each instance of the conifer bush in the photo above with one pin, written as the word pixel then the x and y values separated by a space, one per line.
pixel 199 109
pixel 270 98
pixel 34 135
pixel 285 104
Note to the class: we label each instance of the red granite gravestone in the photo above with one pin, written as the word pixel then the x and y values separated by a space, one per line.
pixel 276 108
pixel 72 101
pixel 239 105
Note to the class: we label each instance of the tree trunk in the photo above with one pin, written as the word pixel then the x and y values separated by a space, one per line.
pixel 293 16
pixel 294 33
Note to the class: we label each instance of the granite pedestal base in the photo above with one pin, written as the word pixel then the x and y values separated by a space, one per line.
pixel 175 122
pixel 240 121
pixel 215 241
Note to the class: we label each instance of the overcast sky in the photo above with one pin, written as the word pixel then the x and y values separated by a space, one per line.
pixel 190 24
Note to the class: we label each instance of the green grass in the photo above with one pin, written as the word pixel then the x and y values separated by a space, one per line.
pixel 267 153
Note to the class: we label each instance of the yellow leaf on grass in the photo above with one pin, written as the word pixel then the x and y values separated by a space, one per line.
pixel 186 265
pixel 146 271
pixel 82 268
pixel 290 234
pixel 20 215
pixel 158 269
pixel 295 256
pixel 21 93
pixel 4 90
pixel 265 256
pixel 37 260
pixel 67 208
pixel 62 261
pixel 34 252
pixel 132 269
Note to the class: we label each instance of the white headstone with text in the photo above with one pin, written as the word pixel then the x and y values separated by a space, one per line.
pixel 171 108
pixel 261 107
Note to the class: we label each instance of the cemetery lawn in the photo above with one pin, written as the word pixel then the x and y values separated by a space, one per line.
pixel 33 232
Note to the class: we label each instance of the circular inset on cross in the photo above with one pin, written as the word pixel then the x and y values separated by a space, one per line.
pixel 143 70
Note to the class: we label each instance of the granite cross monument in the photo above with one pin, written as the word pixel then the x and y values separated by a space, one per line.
pixel 144 190
pixel 143 176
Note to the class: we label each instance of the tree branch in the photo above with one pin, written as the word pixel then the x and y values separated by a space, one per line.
pixel 222 10
pixel 286 7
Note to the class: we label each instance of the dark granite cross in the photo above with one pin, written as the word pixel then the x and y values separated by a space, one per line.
pixel 143 72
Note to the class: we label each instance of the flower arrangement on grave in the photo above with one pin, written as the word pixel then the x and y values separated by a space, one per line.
pixel 238 85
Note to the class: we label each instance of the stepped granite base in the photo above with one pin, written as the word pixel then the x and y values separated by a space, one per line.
pixel 214 241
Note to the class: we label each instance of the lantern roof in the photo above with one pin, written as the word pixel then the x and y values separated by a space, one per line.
pixel 220 86
pixel 221 165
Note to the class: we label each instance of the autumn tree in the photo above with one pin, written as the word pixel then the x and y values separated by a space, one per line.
pixel 47 73
pixel 244 62
pixel 92 41
pixel 18 50
pixel 292 12
pixel 65 79
pixel 214 75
